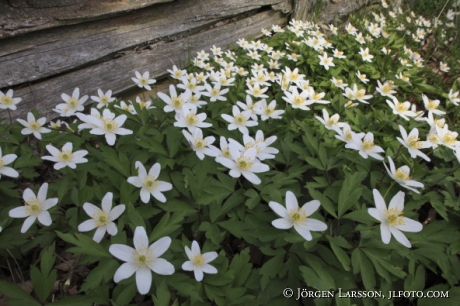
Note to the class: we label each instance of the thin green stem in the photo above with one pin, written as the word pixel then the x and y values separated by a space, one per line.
pixel 391 186
pixel 11 120
pixel 361 229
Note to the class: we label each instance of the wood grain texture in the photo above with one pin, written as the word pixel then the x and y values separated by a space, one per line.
pixel 24 16
pixel 116 74
pixel 46 53
pixel 328 11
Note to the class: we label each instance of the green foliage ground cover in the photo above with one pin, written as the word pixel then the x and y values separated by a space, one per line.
pixel 329 139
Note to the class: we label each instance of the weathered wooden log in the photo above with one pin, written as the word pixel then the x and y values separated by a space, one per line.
pixel 326 11
pixel 51 52
pixel 116 74
pixel 24 16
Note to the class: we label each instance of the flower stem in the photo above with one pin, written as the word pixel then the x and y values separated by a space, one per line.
pixel 388 190
pixel 11 120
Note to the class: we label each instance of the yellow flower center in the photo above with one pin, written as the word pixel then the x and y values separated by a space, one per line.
pixel 241 119
pixel 142 104
pixel 394 217
pixel 414 143
pixel 402 175
pixel 400 107
pixel 294 76
pixel 199 260
pixel 332 121
pixel 360 94
pixel 386 89
pixel 449 138
pixel 368 145
pixel 178 73
pixel 33 206
pixel 65 155
pixel 432 105
pixel 256 91
pixel 315 96
pixel 143 81
pixel 34 125
pixel 177 102
pixel 191 119
pixel 215 92
pixel 298 215
pixel 1 163
pixel 244 163
pixel 110 125
pixel 142 258
pixel 226 153
pixel 200 143
pixel 101 218
pixel 433 138
pixel 105 99
pixel 72 102
pixel 348 135
pixel 7 100
pixel 150 182
pixel 298 100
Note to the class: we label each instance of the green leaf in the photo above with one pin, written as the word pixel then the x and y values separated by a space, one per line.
pixel 99 275
pixel 241 267
pixel 362 264
pixel 314 162
pixel 84 245
pixel 135 217
pixel 42 283
pixel 168 224
pixel 270 269
pixel 163 295
pixel 47 260
pixel 351 191
pixel 17 293
pixel 110 157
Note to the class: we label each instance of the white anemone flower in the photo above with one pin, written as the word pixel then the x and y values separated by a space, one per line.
pixel 103 99
pixel 330 123
pixel 386 89
pixel 298 217
pixel 401 108
pixel 267 111
pixel 143 81
pixel 33 126
pixel 35 207
pixel 325 61
pixel 189 119
pixel 412 143
pixel 453 97
pixel 149 183
pixel 215 93
pixel 175 102
pixel 199 263
pixel 108 125
pixel 401 176
pixel 102 219
pixel 240 120
pixel 432 105
pixel 5 160
pixel 243 163
pixel 367 147
pixel 249 105
pixel 347 135
pixel 8 102
pixel 367 57
pixel 141 259
pixel 260 144
pixel 392 219
pixel 298 100
pixel 72 103
pixel 447 138
pixel 201 146
pixel 256 91
pixel 65 157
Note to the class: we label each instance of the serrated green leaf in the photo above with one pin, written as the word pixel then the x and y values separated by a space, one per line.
pixel 84 245
pixel 15 292
pixel 351 192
